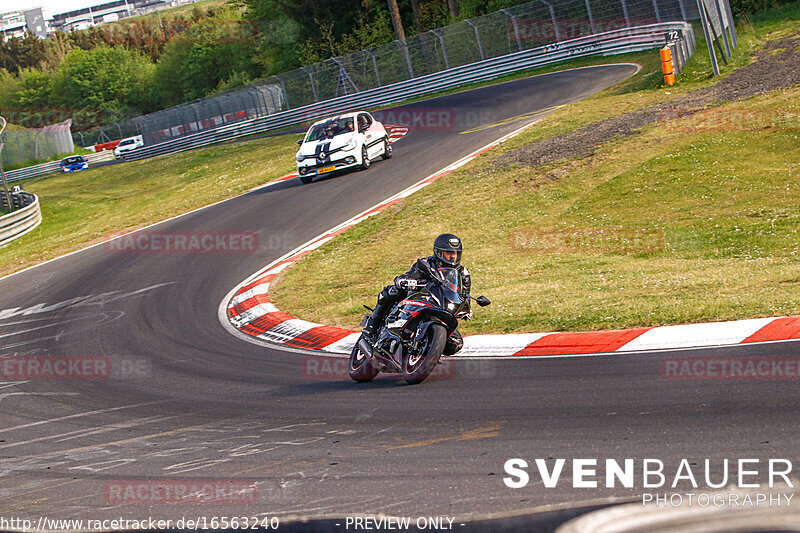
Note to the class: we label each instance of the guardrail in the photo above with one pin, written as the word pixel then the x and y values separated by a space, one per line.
pixel 27 216
pixel 620 41
pixel 52 167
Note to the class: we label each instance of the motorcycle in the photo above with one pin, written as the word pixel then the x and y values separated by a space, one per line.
pixel 413 336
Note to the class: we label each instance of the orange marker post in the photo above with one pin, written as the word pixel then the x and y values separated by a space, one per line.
pixel 666 66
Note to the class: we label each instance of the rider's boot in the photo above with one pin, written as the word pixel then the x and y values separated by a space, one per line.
pixel 376 319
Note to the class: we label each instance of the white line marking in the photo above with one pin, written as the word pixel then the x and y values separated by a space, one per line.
pixel 77 415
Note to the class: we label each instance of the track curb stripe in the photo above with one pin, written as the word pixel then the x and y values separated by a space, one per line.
pixel 251 312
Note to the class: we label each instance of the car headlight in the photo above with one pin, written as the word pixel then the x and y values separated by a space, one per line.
pixel 299 157
pixel 350 144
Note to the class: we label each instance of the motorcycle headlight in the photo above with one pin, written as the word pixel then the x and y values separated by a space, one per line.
pixel 451 307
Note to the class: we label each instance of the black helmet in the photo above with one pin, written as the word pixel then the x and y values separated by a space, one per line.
pixel 447 242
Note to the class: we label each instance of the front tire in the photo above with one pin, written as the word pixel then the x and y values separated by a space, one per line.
pixel 364 158
pixel 417 367
pixel 360 367
pixel 387 149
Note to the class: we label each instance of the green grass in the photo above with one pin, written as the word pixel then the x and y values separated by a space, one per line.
pixel 85 207
pixel 715 210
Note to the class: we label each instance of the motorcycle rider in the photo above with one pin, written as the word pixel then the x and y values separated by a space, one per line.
pixel 447 250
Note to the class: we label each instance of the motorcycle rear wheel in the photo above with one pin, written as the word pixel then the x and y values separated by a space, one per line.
pixel 360 367
pixel 417 367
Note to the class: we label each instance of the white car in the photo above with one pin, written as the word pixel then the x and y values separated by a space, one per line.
pixel 341 142
pixel 128 145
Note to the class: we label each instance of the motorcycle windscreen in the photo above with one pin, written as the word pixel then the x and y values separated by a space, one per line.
pixel 452 284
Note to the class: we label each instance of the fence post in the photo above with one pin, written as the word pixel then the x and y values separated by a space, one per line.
pixel 722 18
pixel 283 88
pixel 444 50
pixel 655 9
pixel 374 64
pixel 516 27
pixel 709 42
pixel 2 172
pixel 591 18
pixel 625 14
pixel 683 11
pixel 313 87
pixel 477 37
pixel 734 37
pixel 404 47
pixel 553 18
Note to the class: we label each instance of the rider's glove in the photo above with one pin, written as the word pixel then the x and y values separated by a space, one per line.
pixel 407 283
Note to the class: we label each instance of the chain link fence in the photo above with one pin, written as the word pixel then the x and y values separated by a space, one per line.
pixel 37 143
pixel 522 27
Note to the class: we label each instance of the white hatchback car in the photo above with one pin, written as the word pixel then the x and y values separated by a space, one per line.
pixel 128 145
pixel 341 142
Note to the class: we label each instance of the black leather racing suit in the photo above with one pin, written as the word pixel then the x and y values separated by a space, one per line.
pixel 393 294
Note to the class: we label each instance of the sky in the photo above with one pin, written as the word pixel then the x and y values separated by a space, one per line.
pixel 51 7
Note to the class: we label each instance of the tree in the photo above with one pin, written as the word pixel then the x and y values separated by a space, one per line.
pixel 195 63
pixel 453 5
pixel 9 85
pixel 115 81
pixel 34 89
pixel 397 22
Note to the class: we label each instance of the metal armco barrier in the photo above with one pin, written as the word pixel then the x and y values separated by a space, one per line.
pixel 19 222
pixel 620 41
pixel 52 167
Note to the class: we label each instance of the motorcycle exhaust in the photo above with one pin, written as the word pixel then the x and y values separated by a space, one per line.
pixel 378 353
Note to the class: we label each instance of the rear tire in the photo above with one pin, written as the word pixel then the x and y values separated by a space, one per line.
pixel 387 149
pixel 418 367
pixel 364 158
pixel 360 367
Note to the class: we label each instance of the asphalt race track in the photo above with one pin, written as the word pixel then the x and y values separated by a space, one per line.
pixel 187 401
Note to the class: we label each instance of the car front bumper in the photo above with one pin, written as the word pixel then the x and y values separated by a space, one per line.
pixel 310 166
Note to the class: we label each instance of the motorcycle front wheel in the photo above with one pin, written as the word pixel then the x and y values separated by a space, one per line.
pixel 360 367
pixel 418 366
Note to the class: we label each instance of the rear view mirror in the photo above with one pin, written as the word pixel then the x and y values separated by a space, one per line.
pixel 300 141
pixel 483 301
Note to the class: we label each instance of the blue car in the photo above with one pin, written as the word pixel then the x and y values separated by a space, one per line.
pixel 73 163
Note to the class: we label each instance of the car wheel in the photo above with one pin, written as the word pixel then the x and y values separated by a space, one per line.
pixel 364 158
pixel 387 149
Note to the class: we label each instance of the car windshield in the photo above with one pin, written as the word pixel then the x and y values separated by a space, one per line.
pixel 330 128
pixel 72 160
pixel 125 143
